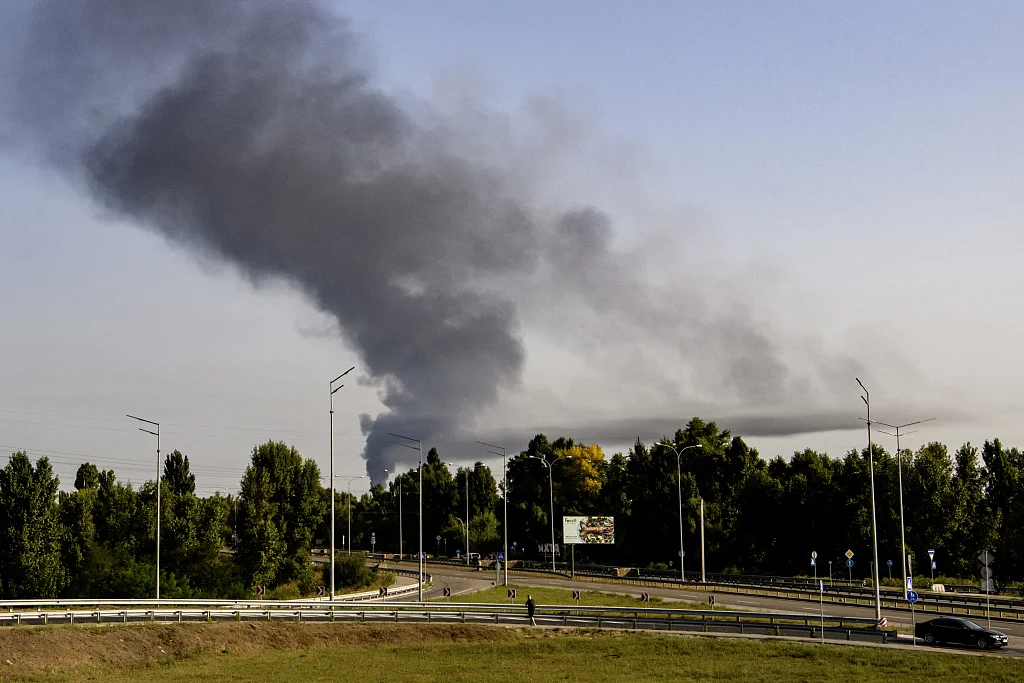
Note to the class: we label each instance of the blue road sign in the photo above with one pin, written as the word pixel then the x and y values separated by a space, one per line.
pixel 501 556
pixel 912 597
pixel 889 563
pixel 813 564
pixel 933 565
pixel 849 563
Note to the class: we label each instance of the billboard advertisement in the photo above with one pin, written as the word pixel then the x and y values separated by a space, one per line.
pixel 577 530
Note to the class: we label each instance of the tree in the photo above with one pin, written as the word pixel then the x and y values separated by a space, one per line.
pixel 261 550
pixel 87 477
pixel 78 537
pixel 177 474
pixel 283 491
pixel 30 533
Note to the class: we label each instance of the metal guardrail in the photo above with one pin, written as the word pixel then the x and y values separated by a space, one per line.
pixel 651 618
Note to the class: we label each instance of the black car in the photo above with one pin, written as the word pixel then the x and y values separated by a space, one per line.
pixel 960 632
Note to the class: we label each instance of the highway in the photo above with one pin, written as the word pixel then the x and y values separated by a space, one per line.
pixel 463 582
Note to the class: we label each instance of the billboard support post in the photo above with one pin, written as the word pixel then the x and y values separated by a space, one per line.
pixel 572 567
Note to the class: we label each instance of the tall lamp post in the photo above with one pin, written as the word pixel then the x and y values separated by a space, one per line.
pixel 551 493
pixel 451 464
pixel 333 389
pixel 158 487
pixel 349 480
pixel 899 466
pixel 399 513
pixel 679 486
pixel 874 526
pixel 504 480
pixel 418 448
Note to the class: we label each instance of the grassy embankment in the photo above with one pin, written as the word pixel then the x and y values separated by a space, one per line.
pixel 306 653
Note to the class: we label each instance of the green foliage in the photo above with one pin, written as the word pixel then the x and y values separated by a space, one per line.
pixel 31 535
pixel 280 508
pixel 350 571
pixel 759 516
pixel 87 477
pixel 177 474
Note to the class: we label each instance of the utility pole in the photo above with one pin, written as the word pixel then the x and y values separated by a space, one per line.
pixel 703 577
pixel 899 467
pixel 419 449
pixel 332 390
pixel 874 525
pixel 504 481
pixel 551 492
pixel 679 487
pixel 158 487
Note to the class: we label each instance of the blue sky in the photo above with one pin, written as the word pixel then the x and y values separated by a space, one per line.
pixel 851 172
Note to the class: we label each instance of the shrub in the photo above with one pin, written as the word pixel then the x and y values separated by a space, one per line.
pixel 350 571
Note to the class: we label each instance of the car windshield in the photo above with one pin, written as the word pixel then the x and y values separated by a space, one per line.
pixel 971 625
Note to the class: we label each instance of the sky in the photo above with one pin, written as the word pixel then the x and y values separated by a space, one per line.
pixel 847 181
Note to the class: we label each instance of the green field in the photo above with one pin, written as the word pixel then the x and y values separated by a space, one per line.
pixel 538 655
pixel 563 596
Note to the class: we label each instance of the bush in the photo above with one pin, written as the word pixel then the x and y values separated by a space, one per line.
pixel 350 571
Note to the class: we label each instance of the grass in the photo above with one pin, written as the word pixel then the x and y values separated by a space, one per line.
pixel 482 655
pixel 563 596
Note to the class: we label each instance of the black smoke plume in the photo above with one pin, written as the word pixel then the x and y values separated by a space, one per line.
pixel 252 130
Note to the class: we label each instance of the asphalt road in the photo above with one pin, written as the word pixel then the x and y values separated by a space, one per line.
pixel 463 582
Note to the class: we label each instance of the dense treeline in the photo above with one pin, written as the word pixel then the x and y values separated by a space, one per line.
pixel 760 516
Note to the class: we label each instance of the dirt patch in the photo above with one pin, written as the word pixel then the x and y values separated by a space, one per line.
pixel 60 648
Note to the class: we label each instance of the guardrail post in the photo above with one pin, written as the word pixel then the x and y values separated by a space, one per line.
pixel 71 615
pixel 298 616
pixel 99 619
pixel 885 638
pixel 849 634
pixel 125 617
pixel 19 620
pixel 463 617
pixel 362 617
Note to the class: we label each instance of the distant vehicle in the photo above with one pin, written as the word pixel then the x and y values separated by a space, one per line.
pixel 959 631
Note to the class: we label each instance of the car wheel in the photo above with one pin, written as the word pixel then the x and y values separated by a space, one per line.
pixel 929 638
pixel 983 643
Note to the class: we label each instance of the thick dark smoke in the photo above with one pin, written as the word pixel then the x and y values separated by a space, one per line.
pixel 253 131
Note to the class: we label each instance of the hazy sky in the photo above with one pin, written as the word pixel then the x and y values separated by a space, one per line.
pixel 845 179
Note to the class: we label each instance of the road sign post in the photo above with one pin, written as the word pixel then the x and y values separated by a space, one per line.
pixel 889 563
pixel 986 558
pixel 821 605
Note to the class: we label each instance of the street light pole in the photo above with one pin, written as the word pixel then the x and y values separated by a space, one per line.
pixel 504 480
pixel 419 448
pixel 874 525
pixel 899 466
pixel 551 492
pixel 349 480
pixel 332 390
pixel 679 486
pixel 158 487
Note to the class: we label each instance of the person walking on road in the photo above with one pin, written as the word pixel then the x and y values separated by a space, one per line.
pixel 531 606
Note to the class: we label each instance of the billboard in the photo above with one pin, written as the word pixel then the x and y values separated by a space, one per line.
pixel 576 530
